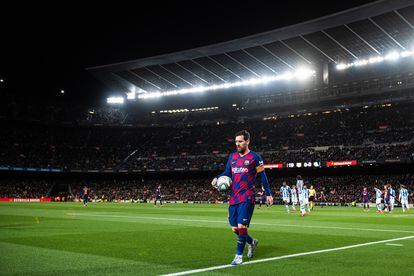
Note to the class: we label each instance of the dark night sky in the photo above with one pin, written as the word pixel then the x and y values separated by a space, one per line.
pixel 47 48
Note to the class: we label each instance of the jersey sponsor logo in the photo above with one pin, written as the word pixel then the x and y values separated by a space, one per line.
pixel 239 170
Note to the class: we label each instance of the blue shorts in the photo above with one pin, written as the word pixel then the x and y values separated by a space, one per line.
pixel 366 200
pixel 241 213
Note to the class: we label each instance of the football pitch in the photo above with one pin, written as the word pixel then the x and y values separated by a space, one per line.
pixel 138 239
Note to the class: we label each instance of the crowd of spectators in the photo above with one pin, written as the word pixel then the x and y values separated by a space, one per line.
pixel 144 190
pixel 380 132
pixel 337 189
pixel 28 188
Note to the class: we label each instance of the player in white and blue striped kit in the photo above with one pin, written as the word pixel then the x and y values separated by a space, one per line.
pixel 403 198
pixel 285 191
pixel 294 196
pixel 392 197
pixel 378 201
pixel 303 195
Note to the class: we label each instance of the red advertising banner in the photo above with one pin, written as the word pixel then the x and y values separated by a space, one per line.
pixel 13 199
pixel 6 199
pixel 341 163
pixel 274 166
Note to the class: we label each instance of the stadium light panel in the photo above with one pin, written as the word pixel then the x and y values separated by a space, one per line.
pixel 304 73
pixel 361 62
pixel 300 74
pixel 407 53
pixel 375 59
pixel 131 95
pixel 341 66
pixel 62 91
pixel 115 100
pixel 392 56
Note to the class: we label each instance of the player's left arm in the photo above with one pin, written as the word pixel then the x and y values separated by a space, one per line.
pixel 259 165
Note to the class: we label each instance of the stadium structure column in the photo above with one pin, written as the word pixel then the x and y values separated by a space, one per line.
pixel 325 73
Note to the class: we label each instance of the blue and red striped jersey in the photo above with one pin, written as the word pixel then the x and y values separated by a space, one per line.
pixel 365 195
pixel 243 171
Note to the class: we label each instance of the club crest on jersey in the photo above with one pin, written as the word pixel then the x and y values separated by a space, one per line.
pixel 246 162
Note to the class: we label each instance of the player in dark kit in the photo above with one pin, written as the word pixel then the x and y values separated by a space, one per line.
pixel 158 196
pixel 85 194
pixel 322 199
pixel 242 167
pixel 365 199
pixel 387 198
pixel 263 199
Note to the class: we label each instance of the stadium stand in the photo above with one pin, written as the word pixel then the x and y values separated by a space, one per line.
pixel 337 189
pixel 365 133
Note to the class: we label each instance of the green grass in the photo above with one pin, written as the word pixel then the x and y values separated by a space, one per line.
pixel 122 239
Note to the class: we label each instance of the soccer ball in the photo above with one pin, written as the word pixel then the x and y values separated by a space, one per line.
pixel 223 183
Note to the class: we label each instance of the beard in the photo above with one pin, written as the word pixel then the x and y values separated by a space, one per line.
pixel 241 150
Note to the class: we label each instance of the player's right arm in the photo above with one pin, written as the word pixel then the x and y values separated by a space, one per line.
pixel 227 172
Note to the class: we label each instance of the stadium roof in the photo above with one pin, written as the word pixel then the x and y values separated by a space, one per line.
pixel 369 30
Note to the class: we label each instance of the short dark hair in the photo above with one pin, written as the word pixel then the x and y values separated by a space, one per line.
pixel 244 133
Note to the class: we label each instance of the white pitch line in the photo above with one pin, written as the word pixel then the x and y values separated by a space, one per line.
pixel 254 223
pixel 394 244
pixel 402 215
pixel 286 256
